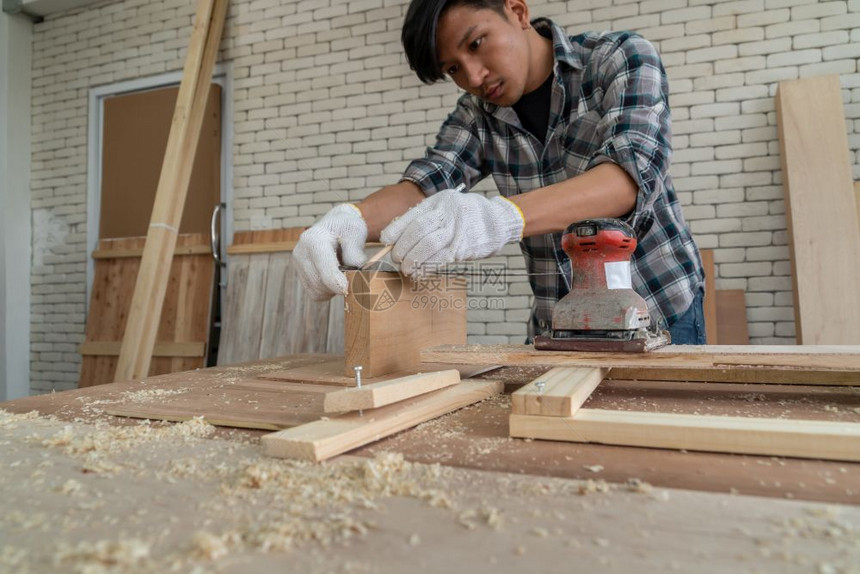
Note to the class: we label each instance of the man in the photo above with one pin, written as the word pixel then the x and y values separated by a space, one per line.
pixel 570 128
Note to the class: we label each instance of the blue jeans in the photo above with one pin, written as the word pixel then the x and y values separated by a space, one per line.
pixel 689 329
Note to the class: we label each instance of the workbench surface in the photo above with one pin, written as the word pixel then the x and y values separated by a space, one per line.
pixel 81 488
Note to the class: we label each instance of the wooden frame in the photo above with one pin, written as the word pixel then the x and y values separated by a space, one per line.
pixel 549 408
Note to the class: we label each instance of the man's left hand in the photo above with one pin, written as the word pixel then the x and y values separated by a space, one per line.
pixel 452 226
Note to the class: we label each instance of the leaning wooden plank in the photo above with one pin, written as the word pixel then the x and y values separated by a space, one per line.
pixel 557 393
pixel 710 301
pixel 388 392
pixel 323 439
pixel 825 364
pixel 740 435
pixel 148 299
pixel 389 318
pixel 732 327
pixel 824 237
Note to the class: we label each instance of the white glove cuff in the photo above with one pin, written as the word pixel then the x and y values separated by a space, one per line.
pixel 513 221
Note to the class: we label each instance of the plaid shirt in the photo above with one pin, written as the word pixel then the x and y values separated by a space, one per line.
pixel 609 103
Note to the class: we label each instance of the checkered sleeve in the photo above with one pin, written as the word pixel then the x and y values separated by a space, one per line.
pixel 456 157
pixel 636 124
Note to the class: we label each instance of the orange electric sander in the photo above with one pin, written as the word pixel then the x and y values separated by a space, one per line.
pixel 602 312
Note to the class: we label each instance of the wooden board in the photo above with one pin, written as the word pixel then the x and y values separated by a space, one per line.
pixel 331 373
pixel 323 439
pixel 174 349
pixel 389 319
pixel 564 390
pixel 830 365
pixel 242 404
pixel 857 200
pixel 773 437
pixel 710 301
pixel 731 308
pixel 267 313
pixel 823 230
pixel 152 282
pixel 388 392
pixel 185 319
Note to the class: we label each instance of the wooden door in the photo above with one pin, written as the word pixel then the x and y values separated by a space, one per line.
pixel 135 131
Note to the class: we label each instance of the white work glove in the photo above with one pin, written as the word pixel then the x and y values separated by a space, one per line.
pixel 315 254
pixel 452 226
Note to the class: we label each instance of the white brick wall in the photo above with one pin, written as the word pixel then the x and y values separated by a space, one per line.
pixel 325 110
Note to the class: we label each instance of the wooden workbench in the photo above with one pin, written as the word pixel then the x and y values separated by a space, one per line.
pixel 494 502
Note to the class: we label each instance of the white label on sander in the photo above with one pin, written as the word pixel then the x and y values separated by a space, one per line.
pixel 618 275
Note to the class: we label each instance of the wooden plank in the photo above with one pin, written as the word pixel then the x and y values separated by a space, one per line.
pixel 269 247
pixel 739 374
pixel 180 250
pixel 563 391
pixel 272 247
pixel 772 437
pixel 857 200
pixel 151 286
pixel 334 337
pixel 389 319
pixel 732 327
pixel 242 313
pixel 823 229
pixel 331 373
pixel 388 392
pixel 165 349
pixel 833 364
pixel 324 439
pixel 710 301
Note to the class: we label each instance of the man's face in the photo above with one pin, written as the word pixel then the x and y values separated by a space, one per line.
pixel 485 53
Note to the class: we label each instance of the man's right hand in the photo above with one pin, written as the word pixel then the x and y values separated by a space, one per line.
pixel 316 252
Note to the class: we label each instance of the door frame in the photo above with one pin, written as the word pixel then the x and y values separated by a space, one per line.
pixel 223 76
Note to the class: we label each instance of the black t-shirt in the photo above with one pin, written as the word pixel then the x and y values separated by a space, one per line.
pixel 533 109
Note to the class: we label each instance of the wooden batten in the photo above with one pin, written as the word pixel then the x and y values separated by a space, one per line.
pixel 741 435
pixel 388 392
pixel 148 299
pixel 559 392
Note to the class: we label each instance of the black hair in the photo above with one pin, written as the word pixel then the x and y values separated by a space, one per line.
pixel 419 33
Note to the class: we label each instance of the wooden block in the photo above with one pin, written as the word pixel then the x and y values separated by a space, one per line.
pixel 564 390
pixel 823 229
pixel 732 327
pixel 388 392
pixel 389 319
pixel 710 301
pixel 324 439
pixel 741 435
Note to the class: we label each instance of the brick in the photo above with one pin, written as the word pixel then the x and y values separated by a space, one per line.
pixel 775 46
pixel 792 28
pixel 712 54
pixel 685 14
pixel 805 41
